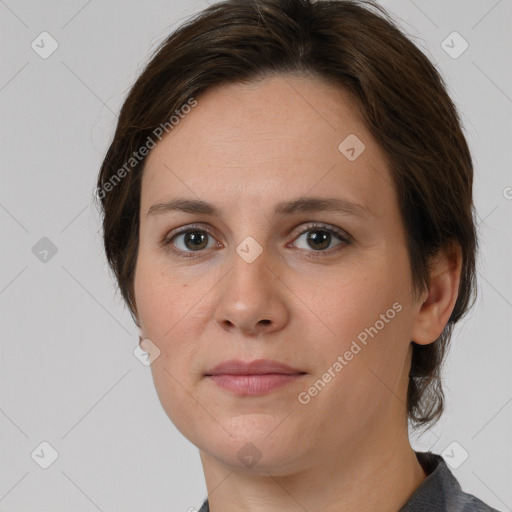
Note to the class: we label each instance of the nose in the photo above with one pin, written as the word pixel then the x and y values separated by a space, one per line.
pixel 252 299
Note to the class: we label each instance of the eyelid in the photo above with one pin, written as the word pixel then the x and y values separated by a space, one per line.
pixel 308 226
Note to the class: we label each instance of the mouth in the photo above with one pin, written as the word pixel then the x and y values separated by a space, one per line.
pixel 253 378
pixel 253 384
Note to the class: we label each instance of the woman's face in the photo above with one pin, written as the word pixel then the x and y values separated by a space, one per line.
pixel 304 286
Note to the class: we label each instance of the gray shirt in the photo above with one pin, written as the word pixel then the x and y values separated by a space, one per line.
pixel 439 492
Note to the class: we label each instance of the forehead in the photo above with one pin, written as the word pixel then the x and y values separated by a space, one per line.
pixel 262 142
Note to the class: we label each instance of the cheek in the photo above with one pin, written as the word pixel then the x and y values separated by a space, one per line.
pixel 365 318
pixel 161 299
pixel 365 384
pixel 172 314
pixel 346 300
pixel 164 307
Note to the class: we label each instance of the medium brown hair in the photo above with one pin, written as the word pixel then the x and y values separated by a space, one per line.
pixel 356 46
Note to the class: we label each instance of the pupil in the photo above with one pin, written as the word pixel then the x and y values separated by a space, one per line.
pixel 196 238
pixel 323 239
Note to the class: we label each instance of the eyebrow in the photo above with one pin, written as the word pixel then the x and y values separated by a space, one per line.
pixel 300 204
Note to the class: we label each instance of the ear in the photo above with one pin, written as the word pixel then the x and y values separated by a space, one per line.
pixel 436 304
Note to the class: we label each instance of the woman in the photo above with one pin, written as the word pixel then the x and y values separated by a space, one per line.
pixel 288 211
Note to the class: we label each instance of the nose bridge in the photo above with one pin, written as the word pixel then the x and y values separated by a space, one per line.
pixel 251 253
pixel 251 297
pixel 248 277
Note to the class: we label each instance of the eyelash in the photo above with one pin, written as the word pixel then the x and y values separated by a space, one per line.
pixel 342 236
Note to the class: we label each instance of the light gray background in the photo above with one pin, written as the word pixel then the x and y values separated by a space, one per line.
pixel 68 372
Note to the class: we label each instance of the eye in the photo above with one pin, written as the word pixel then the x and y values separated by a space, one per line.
pixel 192 239
pixel 320 237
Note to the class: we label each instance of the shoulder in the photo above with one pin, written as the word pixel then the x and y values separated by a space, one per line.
pixel 204 506
pixel 440 491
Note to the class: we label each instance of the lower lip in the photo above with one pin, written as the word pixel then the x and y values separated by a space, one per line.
pixel 253 384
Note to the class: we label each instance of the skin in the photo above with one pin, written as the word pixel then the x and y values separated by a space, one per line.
pixel 245 148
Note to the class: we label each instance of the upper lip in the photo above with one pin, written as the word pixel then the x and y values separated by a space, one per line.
pixel 256 367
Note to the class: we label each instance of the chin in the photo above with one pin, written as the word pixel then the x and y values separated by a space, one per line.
pixel 254 459
pixel 254 451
